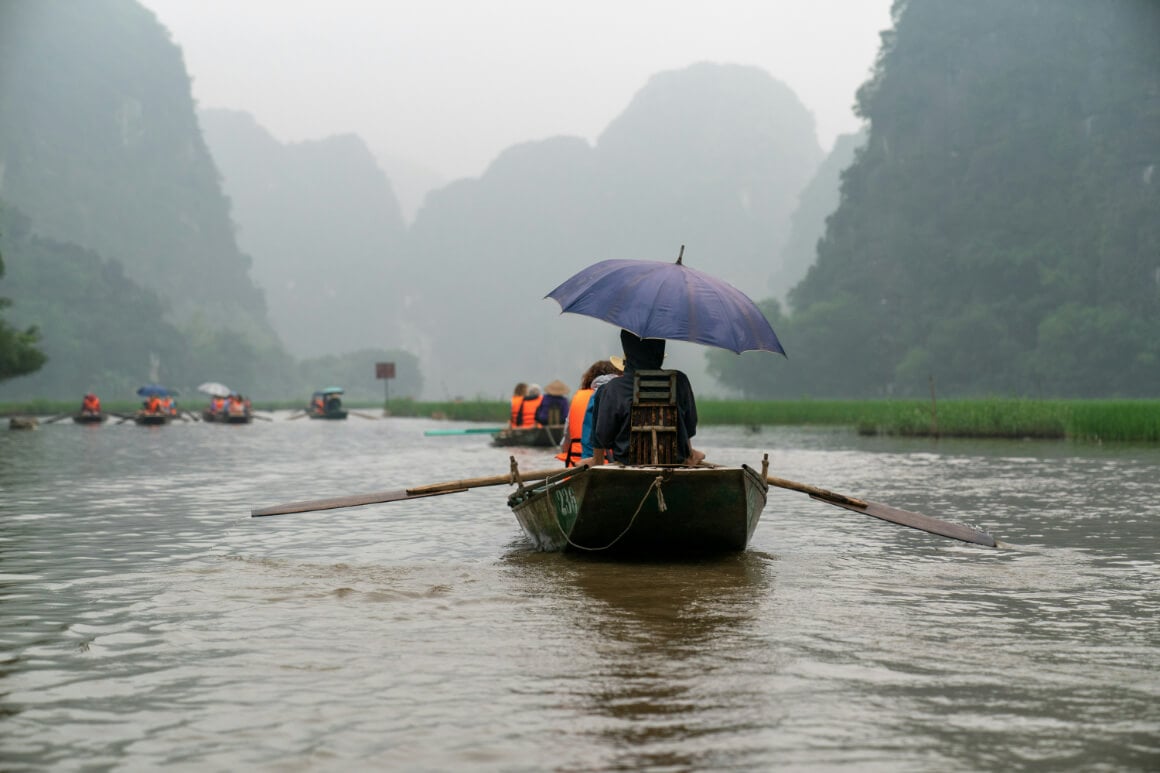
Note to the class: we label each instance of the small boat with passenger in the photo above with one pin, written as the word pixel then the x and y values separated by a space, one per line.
pixel 327 404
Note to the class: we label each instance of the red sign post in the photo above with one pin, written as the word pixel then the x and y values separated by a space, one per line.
pixel 386 372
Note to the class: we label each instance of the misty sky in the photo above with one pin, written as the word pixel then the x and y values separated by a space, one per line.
pixel 449 84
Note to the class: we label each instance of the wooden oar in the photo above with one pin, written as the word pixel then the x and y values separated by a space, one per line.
pixel 363 415
pixel 263 418
pixel 302 415
pixel 429 490
pixel 888 513
pixel 467 431
pixel 58 418
pixel 192 415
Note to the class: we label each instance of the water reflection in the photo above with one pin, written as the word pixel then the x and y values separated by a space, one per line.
pixel 656 641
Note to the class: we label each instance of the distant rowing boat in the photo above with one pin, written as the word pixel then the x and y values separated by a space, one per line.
pixel 225 417
pixel 326 404
pixel 538 437
pixel 90 418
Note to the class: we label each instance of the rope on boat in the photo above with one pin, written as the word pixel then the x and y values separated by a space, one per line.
pixel 657 481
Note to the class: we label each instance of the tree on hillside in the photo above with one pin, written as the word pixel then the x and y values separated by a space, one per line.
pixel 18 352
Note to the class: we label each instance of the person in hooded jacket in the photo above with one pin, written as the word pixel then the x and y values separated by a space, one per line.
pixel 613 404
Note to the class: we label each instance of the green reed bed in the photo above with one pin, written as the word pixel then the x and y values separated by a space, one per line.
pixel 1115 420
pixel 1089 420
pixel 1081 420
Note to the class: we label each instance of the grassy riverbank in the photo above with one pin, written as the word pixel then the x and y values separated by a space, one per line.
pixel 1085 420
pixel 1081 420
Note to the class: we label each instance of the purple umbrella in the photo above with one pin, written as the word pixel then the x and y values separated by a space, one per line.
pixel 668 300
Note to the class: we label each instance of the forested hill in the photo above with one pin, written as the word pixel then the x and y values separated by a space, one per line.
pixel 1000 232
pixel 710 156
pixel 323 227
pixel 100 147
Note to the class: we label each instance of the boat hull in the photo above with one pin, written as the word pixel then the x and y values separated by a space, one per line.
pixel 89 418
pixel 226 418
pixel 151 419
pixel 535 437
pixel 618 509
pixel 339 414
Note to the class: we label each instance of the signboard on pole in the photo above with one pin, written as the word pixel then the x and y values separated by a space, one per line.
pixel 385 371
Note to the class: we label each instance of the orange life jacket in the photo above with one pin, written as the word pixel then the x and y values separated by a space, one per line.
pixel 524 411
pixel 153 405
pixel 528 413
pixel 91 404
pixel 576 411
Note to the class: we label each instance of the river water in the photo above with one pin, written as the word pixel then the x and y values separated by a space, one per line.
pixel 146 620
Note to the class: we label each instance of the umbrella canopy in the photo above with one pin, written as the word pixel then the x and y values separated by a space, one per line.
pixel 215 389
pixel 151 390
pixel 668 300
pixel 332 391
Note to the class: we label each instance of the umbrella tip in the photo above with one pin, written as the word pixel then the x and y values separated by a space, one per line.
pixel 681 255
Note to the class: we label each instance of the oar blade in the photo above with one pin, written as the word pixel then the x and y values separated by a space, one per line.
pixel 467 431
pixel 916 521
pixel 354 500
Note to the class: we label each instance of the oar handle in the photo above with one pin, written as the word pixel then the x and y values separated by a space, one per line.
pixel 494 480
pixel 821 493
pixel 432 489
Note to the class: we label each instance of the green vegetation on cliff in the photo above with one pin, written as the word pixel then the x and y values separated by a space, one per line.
pixel 1000 229
pixel 18 352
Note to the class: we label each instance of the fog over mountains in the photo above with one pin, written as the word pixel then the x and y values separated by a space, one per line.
pixel 712 156
pixel 323 227
pixel 994 228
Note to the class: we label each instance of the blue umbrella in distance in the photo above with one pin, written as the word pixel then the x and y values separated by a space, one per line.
pixel 654 299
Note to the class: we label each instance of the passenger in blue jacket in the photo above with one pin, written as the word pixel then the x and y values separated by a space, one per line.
pixel 613 403
pixel 555 397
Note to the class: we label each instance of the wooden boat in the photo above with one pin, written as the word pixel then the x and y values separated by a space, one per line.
pixel 89 418
pixel 536 437
pixel 152 419
pixel 643 510
pixel 326 404
pixel 334 413
pixel 217 417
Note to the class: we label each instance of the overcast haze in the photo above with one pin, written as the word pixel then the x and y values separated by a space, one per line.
pixel 449 84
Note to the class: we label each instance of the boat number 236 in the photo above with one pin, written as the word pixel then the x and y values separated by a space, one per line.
pixel 565 501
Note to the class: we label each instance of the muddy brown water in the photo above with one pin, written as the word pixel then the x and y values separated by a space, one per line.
pixel 147 621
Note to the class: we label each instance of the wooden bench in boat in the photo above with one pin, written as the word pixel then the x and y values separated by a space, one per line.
pixel 653 420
